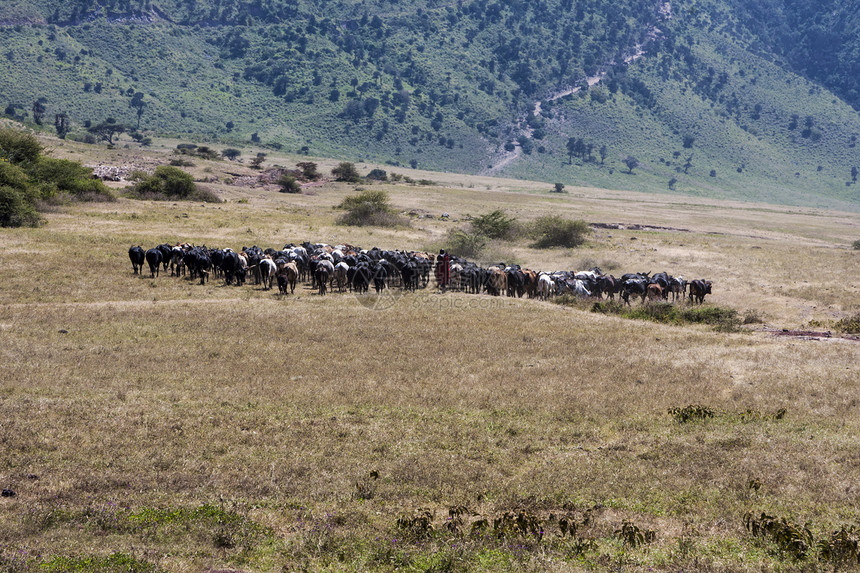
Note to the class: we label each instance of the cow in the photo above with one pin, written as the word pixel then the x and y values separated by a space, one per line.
pixel 546 286
pixel 340 272
pixel 678 288
pixel 321 277
pixel 287 275
pixel 654 291
pixel 698 290
pixel 636 287
pixel 153 257
pixel 137 256
pixel 498 282
pixel 268 269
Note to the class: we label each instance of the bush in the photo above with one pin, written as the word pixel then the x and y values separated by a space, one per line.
pixel 377 175
pixel 554 231
pixel 495 225
pixel 346 171
pixel 18 146
pixel 61 175
pixel 370 208
pixel 289 184
pixel 309 170
pixel 464 244
pixel 168 182
pixel 856 245
pixel 17 209
pixel 849 324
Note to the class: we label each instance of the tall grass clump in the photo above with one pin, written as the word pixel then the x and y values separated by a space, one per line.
pixel 554 231
pixel 369 207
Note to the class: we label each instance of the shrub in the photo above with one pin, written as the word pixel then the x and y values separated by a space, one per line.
pixel 61 175
pixel 377 175
pixel 370 208
pixel 18 146
pixel 495 225
pixel 231 154
pixel 849 324
pixel 169 182
pixel 464 244
pixel 554 231
pixel 856 245
pixel 289 184
pixel 346 171
pixel 17 209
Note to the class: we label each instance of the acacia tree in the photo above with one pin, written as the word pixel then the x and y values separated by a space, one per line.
pixel 631 163
pixel 107 130
pixel 61 124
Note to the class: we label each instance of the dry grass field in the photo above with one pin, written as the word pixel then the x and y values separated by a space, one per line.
pixel 160 425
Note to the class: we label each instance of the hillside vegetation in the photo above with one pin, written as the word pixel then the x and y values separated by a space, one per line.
pixel 713 101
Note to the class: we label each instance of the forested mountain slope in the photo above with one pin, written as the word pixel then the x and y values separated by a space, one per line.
pixel 712 97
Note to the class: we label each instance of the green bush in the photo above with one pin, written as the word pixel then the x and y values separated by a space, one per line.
pixel 16 209
pixel 168 182
pixel 554 231
pixel 346 171
pixel 289 184
pixel 495 225
pixel 18 146
pixel 856 245
pixel 464 244
pixel 61 175
pixel 370 208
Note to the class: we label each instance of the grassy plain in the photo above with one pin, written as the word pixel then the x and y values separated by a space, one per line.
pixel 161 425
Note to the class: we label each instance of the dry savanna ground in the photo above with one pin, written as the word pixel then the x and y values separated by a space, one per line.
pixel 160 425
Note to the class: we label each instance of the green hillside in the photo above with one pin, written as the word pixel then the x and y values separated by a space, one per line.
pixel 454 86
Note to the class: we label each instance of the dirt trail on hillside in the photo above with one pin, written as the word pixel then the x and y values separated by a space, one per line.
pixel 639 51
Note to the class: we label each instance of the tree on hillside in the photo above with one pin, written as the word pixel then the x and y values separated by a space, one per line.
pixel 631 163
pixel 107 130
pixel 854 174
pixel 138 104
pixel 61 124
pixel 688 163
pixel 604 152
pixel 39 110
pixel 688 141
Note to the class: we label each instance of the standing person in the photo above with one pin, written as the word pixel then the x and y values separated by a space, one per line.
pixel 443 270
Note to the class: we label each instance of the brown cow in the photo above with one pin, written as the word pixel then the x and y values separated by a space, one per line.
pixel 498 283
pixel 655 291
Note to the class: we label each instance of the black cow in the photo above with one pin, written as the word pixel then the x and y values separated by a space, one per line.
pixel 137 256
pixel 153 257
pixel 698 290
pixel 636 287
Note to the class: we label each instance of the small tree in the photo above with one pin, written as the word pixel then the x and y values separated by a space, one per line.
pixel 856 245
pixel 39 110
pixel 672 183
pixel 257 162
pixel 631 163
pixel 346 171
pixel 61 124
pixel 107 130
pixel 167 181
pixel 559 188
pixel 688 141
pixel 604 152
pixel 377 175
pixel 309 170
pixel 138 104
pixel 231 154
pixel 854 174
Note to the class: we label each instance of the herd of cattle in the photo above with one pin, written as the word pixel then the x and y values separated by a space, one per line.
pixel 346 267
